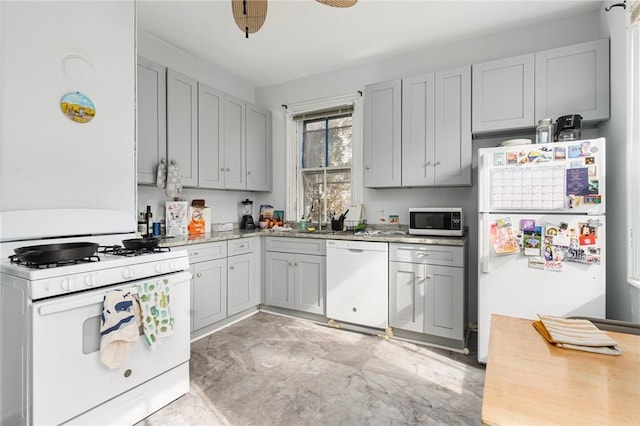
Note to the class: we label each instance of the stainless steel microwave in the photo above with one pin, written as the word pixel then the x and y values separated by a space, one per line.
pixel 445 221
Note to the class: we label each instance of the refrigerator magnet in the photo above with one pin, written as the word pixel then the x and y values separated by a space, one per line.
pixel 77 107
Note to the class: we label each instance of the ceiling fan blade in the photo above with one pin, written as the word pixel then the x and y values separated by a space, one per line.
pixel 249 14
pixel 338 3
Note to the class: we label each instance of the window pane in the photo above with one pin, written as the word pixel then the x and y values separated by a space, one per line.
pixel 313 149
pixel 312 184
pixel 340 146
pixel 338 191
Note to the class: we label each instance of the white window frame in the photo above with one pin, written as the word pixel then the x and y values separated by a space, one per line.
pixel 294 129
pixel 633 146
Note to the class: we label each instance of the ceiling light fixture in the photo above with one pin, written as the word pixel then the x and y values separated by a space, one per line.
pixel 251 14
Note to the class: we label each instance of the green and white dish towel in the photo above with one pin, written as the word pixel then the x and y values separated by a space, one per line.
pixel 155 304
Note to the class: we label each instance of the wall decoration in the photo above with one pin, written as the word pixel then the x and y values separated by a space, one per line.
pixel 77 107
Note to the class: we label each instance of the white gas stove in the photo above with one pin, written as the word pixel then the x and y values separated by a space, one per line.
pixel 51 333
pixel 106 267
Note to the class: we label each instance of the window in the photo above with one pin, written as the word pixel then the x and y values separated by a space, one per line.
pixel 633 146
pixel 324 175
pixel 323 157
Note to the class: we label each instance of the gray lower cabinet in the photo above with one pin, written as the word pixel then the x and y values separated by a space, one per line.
pixel 225 279
pixel 208 283
pixel 427 289
pixel 243 289
pixel 208 293
pixel 295 280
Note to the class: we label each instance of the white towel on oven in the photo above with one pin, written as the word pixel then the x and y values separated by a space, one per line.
pixel 118 326
pixel 157 320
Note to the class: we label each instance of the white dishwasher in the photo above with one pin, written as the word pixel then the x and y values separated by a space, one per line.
pixel 357 282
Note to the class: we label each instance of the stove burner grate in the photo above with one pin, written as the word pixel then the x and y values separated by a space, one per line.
pixel 36 265
pixel 117 250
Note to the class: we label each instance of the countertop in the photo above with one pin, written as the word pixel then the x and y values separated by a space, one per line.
pixel 388 236
pixel 530 382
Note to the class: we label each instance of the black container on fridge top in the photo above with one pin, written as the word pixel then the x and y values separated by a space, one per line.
pixel 568 128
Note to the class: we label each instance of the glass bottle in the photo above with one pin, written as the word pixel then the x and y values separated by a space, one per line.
pixel 544 131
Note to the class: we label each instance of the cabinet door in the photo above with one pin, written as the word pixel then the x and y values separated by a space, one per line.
pixel 279 279
pixel 210 137
pixel 453 127
pixel 234 143
pixel 382 134
pixel 258 149
pixel 152 116
pixel 240 283
pixel 406 296
pixel 418 133
pixel 209 293
pixel 309 283
pixel 503 94
pixel 444 302
pixel 182 125
pixel 573 80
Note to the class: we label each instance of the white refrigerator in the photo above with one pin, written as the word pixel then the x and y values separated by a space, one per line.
pixel 541 232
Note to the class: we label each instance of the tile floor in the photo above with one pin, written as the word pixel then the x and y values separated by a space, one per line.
pixel 272 370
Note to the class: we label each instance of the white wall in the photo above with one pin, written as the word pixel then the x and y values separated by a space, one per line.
pixel 552 34
pixel 623 300
pixel 224 204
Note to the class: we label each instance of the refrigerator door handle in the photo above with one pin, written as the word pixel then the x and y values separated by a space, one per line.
pixel 483 238
pixel 483 183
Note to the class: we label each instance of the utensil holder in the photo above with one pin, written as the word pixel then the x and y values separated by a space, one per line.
pixel 337 225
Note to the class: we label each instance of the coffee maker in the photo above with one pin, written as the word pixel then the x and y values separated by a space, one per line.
pixel 247 215
pixel 568 128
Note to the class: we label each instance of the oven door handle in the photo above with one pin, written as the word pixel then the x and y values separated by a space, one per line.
pixel 54 308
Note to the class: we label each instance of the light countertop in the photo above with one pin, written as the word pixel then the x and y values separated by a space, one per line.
pixel 389 236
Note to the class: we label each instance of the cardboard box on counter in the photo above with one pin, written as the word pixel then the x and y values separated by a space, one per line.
pixel 177 218
pixel 199 218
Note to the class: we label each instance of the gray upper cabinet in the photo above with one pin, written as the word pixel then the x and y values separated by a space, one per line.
pixel 453 127
pixel 418 130
pixel 258 128
pixel 573 80
pixel 218 141
pixel 503 93
pixel 152 124
pixel 516 93
pixel 382 134
pixel 436 128
pixel 182 125
pixel 235 144
pixel 210 137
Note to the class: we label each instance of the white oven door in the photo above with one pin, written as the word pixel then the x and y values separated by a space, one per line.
pixel 67 375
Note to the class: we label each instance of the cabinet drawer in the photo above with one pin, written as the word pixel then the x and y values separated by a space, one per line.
pixel 240 246
pixel 207 251
pixel 428 254
pixel 296 245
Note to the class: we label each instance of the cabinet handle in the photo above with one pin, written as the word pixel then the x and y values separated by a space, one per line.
pixel 290 263
pixel 231 267
pixel 428 277
pixel 228 169
pixel 199 274
pixel 222 169
pixel 296 264
pixel 419 277
pixel 354 309
pixel 248 172
pixel 421 253
pixel 194 253
pixel 437 163
pixel 428 163
pixel 367 167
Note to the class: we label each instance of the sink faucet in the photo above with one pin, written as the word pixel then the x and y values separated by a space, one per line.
pixel 319 212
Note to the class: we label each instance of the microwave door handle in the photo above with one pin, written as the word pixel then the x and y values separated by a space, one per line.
pixel 483 236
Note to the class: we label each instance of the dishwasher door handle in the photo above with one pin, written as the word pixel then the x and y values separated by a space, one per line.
pixel 353 250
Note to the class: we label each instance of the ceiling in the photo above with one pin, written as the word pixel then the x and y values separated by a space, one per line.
pixel 303 37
